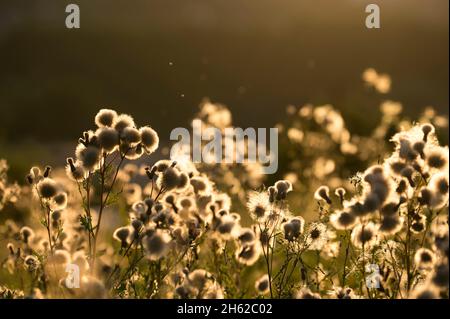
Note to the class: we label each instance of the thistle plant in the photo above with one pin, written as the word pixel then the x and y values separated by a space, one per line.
pixel 99 157
pixel 349 217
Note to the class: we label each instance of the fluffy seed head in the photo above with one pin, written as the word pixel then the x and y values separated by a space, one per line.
pixel 249 254
pixel 258 205
pixel 427 129
pixel 186 202
pixel 105 117
pixel 156 245
pixel 130 136
pixel 89 156
pixel 293 228
pixel 342 220
pixel 200 184
pixel 418 227
pixel 437 158
pixel 60 201
pixel 162 165
pixel 317 236
pixel 136 224
pixel 31 263
pixel 75 170
pixel 340 192
pixel 35 174
pixel 227 226
pixel 424 258
pixel 26 233
pixel 149 138
pixel 441 275
pixel 391 225
pixel 198 278
pixel 282 187
pixel 246 236
pixel 323 193
pixel 121 234
pixel 442 185
pixel 47 188
pixel 364 234
pixel 262 285
pixel 169 179
pixel 123 121
pixel 108 138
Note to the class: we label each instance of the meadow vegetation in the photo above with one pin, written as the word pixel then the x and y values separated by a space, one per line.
pixel 347 216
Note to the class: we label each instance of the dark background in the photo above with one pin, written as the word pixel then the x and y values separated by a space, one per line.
pixel 157 59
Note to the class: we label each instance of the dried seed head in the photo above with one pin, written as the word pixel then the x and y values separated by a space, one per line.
pixel 108 139
pixel 323 193
pixel 47 188
pixel 150 139
pixel 121 234
pixel 282 188
pixel 156 245
pixel 427 129
pixel 31 263
pixel 123 121
pixel 262 285
pixel 105 117
pixel 424 258
pixel 342 220
pixel 437 158
pixel 130 136
pixel 60 201
pixel 340 192
pixel 364 235
pixel 89 156
pixel 26 233
pixel 249 254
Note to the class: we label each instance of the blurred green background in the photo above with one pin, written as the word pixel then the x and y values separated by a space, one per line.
pixel 157 59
